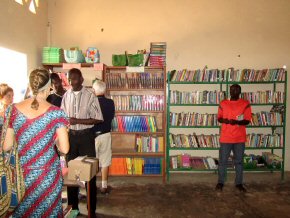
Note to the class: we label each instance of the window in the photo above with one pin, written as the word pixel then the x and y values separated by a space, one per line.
pixel 13 68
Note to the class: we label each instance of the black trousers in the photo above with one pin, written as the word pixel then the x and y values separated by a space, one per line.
pixel 82 142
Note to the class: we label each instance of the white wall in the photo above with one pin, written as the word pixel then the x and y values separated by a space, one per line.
pixel 23 31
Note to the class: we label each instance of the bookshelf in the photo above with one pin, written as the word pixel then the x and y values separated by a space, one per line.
pixel 193 145
pixel 139 126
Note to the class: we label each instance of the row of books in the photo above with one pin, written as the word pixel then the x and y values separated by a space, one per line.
pixel 205 75
pixel 264 97
pixel 192 119
pixel 149 143
pixel 265 140
pixel 182 161
pixel 262 118
pixel 216 75
pixel 134 124
pixel 197 97
pixel 157 54
pixel 212 141
pixel 138 102
pixel 135 80
pixel 265 118
pixel 135 166
pixel 194 141
pixel 251 75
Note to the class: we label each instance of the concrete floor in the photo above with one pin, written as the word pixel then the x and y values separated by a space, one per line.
pixel 193 195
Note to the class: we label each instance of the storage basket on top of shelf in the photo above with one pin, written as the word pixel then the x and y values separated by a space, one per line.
pixel 74 56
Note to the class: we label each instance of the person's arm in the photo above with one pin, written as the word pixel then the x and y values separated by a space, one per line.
pixel 9 139
pixel 239 122
pixel 63 141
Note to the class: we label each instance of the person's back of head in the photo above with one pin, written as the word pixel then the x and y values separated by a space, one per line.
pixel 235 91
pixel 99 87
pixel 39 80
pixel 6 94
pixel 75 71
pixel 54 76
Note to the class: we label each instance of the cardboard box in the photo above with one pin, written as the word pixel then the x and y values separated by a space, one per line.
pixel 83 167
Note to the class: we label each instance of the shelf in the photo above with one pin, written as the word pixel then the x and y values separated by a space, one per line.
pixel 146 68
pixel 185 127
pixel 137 112
pixel 139 154
pixel 213 170
pixel 264 148
pixel 139 90
pixel 178 105
pixel 214 149
pixel 255 82
pixel 143 175
pixel 190 169
pixel 264 126
pixel 60 64
pixel 137 133
pixel 190 83
pixel 269 104
pixel 189 149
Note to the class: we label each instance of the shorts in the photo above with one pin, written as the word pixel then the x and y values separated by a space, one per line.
pixel 103 146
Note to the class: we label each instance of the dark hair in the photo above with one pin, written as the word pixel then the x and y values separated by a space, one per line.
pixel 54 76
pixel 75 71
pixel 237 86
pixel 38 78
pixel 4 89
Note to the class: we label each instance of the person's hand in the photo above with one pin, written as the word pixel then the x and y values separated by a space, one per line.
pixel 72 121
pixel 232 122
pixel 226 121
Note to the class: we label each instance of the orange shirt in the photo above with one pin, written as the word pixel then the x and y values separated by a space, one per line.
pixel 237 110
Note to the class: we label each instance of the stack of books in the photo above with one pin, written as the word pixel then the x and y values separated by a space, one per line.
pixel 52 55
pixel 157 54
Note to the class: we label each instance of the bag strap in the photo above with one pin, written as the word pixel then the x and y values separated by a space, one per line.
pixel 4 130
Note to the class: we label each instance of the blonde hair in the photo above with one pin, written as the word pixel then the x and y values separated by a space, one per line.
pixel 38 78
pixel 4 89
pixel 99 87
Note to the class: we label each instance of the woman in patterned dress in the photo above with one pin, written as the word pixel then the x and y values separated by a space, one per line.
pixel 36 125
pixel 6 98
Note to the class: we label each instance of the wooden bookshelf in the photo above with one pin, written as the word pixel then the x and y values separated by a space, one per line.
pixel 125 128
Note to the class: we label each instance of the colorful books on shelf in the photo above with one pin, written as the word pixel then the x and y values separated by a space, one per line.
pixel 135 166
pixel 149 143
pixel 212 141
pixel 264 97
pixel 185 161
pixel 265 118
pixel 265 140
pixel 193 141
pixel 192 119
pixel 251 75
pixel 135 80
pixel 205 75
pixel 138 102
pixel 196 97
pixel 157 54
pixel 128 123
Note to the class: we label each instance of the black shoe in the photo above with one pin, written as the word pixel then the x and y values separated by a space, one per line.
pixel 104 191
pixel 241 188
pixel 219 187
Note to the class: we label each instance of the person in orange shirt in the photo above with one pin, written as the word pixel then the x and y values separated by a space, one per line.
pixel 234 114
